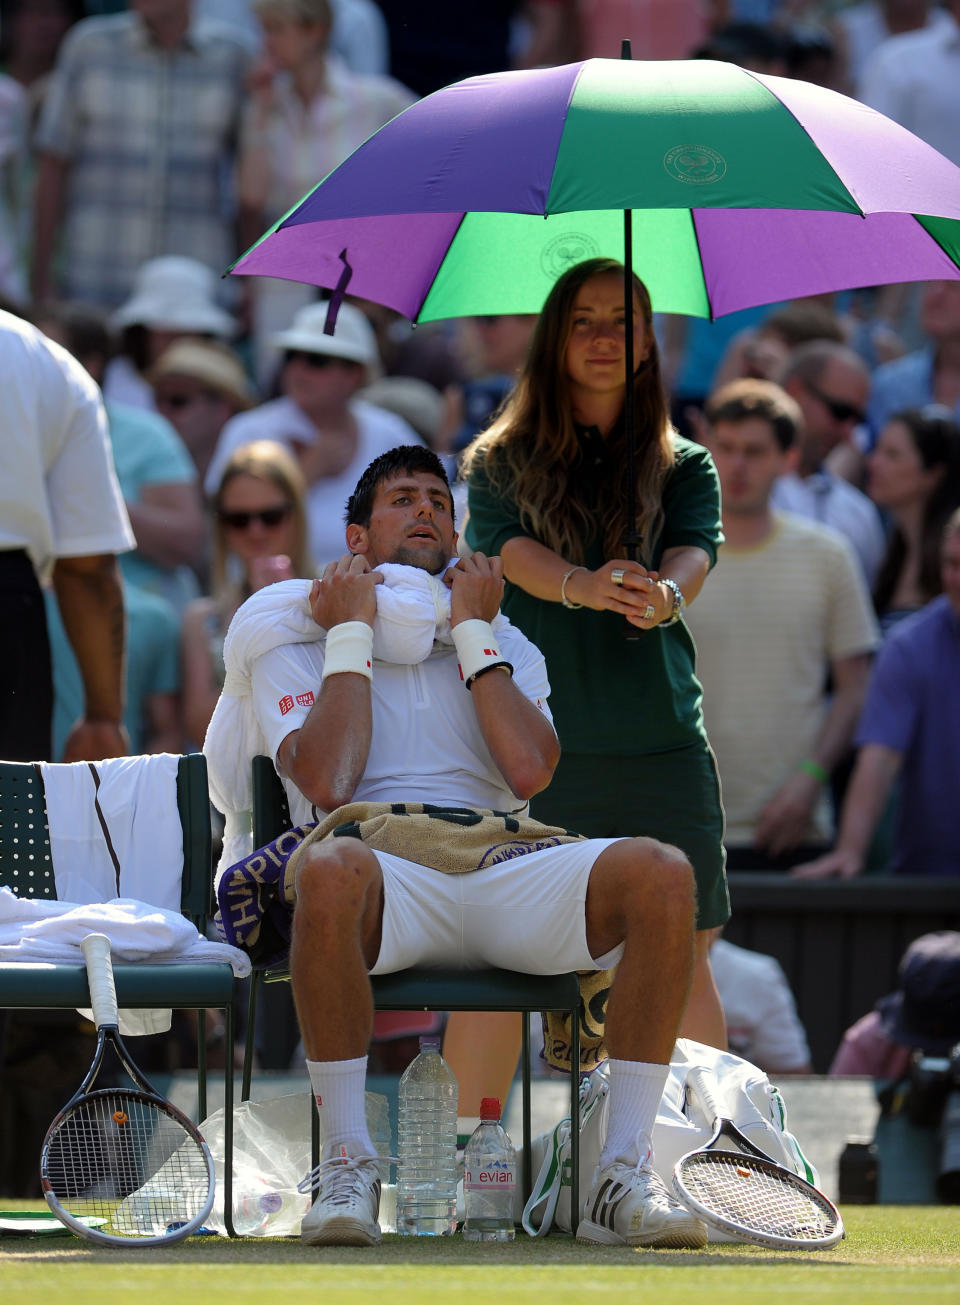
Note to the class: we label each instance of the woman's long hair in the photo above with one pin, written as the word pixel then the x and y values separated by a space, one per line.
pixel 936 437
pixel 265 460
pixel 530 450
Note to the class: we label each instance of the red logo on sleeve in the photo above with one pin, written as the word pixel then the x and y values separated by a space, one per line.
pixel 306 699
pixel 285 704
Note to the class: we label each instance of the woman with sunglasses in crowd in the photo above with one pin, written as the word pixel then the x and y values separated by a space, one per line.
pixel 546 492
pixel 259 536
pixel 913 475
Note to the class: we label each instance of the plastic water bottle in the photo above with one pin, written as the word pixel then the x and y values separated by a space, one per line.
pixel 427 1146
pixel 489 1179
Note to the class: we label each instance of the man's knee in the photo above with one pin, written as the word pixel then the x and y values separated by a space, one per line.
pixel 337 877
pixel 653 873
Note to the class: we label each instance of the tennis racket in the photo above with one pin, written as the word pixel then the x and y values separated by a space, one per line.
pixel 748 1195
pixel 121 1165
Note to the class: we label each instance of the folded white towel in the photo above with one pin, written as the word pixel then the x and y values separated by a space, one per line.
pixel 42 931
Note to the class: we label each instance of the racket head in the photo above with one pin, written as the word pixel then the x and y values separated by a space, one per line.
pixel 130 1163
pixel 756 1200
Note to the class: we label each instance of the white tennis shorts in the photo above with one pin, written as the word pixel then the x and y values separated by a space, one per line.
pixel 526 914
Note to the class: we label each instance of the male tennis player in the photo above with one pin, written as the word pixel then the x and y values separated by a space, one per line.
pixel 468 727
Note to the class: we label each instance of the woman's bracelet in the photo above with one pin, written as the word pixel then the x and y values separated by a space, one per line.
pixel 814 769
pixel 348 650
pixel 563 588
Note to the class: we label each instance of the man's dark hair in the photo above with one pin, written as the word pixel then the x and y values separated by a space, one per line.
pixel 745 399
pixel 405 459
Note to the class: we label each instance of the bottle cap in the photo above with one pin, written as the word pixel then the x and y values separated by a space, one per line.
pixel 490 1108
pixel 430 1044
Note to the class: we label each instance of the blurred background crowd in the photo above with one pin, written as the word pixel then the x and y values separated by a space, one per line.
pixel 144 146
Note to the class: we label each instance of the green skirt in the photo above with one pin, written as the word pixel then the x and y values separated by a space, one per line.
pixel 672 796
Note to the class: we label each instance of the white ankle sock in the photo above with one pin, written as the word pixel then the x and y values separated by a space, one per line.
pixel 338 1086
pixel 636 1087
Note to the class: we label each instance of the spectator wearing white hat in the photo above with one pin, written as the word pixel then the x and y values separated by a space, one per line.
pixel 172 297
pixel 333 433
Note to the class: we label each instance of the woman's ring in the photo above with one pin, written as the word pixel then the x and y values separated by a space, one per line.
pixel 617 574
pixel 649 611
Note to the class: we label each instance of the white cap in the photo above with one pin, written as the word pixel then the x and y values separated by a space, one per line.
pixel 353 336
pixel 174 294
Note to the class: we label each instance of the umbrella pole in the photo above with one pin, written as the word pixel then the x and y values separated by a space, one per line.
pixel 629 404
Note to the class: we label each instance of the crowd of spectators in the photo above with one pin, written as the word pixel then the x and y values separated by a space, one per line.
pixel 144 146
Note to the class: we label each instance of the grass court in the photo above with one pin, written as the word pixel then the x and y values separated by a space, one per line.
pixel 892 1254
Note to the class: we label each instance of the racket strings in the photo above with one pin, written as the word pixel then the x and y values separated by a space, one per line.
pixel 123 1159
pixel 757 1198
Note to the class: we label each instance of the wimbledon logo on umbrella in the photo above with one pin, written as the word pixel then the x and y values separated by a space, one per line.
pixel 564 251
pixel 695 165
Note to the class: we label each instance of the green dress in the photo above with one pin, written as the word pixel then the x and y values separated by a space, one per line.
pixel 627 711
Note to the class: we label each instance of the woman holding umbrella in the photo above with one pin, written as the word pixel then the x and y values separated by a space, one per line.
pixel 546 492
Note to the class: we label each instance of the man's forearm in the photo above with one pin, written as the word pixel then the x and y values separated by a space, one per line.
pixel 521 740
pixel 327 756
pixel 866 797
pixel 90 598
pixel 850 686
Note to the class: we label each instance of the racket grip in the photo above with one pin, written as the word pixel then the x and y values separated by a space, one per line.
pixel 103 991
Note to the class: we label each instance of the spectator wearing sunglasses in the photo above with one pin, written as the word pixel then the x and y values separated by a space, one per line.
pixel 830 382
pixel 259 536
pixel 319 418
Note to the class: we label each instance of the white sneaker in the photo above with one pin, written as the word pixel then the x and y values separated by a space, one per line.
pixel 347 1205
pixel 629 1205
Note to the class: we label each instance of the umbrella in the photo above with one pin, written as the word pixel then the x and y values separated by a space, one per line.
pixel 442 212
pixel 722 188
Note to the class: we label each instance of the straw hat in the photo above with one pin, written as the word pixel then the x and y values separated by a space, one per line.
pixel 174 294
pixel 209 362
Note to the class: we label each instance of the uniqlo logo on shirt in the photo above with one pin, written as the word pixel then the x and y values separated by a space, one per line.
pixel 306 699
pixel 491 652
pixel 285 704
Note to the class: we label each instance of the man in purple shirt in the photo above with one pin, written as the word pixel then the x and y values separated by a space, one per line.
pixel 910 726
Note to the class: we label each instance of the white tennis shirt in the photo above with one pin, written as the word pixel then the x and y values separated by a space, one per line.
pixel 59 495
pixel 426 744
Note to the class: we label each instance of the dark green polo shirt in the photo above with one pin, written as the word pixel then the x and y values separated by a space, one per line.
pixel 610 694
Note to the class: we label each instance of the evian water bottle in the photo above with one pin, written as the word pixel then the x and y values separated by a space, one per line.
pixel 489 1179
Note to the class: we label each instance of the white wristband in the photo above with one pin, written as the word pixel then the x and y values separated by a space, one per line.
pixel 349 650
pixel 478 649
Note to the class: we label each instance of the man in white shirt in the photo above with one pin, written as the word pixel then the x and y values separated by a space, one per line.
pixel 467 726
pixel 915 79
pixel 784 605
pixel 830 383
pixel 61 516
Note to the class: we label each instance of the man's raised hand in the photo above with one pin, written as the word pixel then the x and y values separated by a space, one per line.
pixel 346 591
pixel 476 588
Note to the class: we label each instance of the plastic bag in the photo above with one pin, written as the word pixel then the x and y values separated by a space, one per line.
pixel 271 1154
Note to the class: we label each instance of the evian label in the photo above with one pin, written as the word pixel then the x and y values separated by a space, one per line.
pixel 499 1174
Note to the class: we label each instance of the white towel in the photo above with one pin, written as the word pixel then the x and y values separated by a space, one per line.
pixel 413 612
pixel 138 798
pixel 42 931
